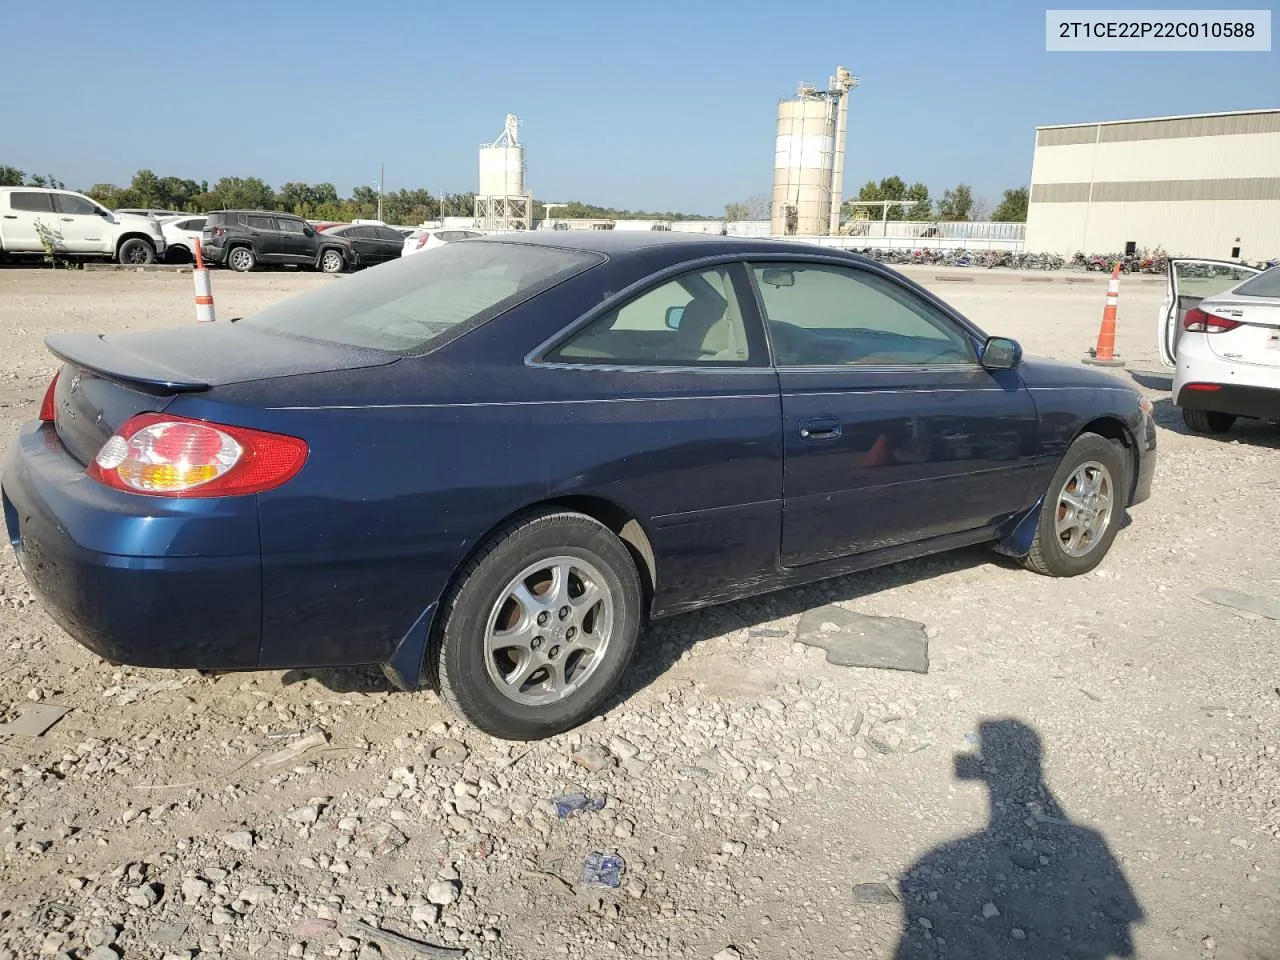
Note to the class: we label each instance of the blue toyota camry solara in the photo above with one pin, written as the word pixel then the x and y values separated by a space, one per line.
pixel 485 467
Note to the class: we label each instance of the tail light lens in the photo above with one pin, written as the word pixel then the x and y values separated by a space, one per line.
pixel 167 456
pixel 1197 321
pixel 217 231
pixel 422 241
pixel 47 412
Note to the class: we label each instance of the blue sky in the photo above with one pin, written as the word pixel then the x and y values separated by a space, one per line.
pixel 658 105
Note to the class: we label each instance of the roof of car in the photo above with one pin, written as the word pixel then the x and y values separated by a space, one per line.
pixel 620 243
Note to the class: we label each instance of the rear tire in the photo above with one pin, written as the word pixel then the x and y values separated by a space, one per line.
pixel 136 253
pixel 1081 512
pixel 332 261
pixel 178 254
pixel 538 627
pixel 241 259
pixel 1207 421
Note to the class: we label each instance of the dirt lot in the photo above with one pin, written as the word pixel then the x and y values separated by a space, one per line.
pixel 1127 801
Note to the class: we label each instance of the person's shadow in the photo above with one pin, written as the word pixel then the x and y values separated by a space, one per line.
pixel 1031 884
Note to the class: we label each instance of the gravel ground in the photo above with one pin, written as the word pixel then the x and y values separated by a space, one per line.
pixel 1088 769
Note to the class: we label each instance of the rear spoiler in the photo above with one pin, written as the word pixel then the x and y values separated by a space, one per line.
pixel 95 354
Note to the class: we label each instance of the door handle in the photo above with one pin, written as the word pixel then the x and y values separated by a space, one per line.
pixel 820 428
pixel 66 220
pixel 11 216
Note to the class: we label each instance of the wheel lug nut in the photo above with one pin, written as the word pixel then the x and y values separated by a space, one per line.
pixel 571 633
pixel 553 652
pixel 535 643
pixel 542 619
pixel 564 613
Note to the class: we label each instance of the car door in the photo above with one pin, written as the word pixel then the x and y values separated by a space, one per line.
pixel 265 235
pixel 1186 284
pixel 24 209
pixel 296 244
pixel 676 417
pixel 893 432
pixel 80 220
pixel 389 244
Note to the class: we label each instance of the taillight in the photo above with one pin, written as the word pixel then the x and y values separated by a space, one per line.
pixel 422 241
pixel 46 405
pixel 216 231
pixel 1197 321
pixel 167 456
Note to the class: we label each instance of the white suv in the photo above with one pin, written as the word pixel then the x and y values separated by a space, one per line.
pixel 76 227
pixel 1219 327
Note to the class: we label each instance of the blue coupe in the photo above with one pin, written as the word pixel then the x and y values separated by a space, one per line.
pixel 485 467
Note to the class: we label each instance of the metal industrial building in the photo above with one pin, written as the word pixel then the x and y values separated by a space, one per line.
pixel 1206 185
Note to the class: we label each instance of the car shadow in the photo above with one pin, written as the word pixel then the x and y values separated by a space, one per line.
pixel 664 642
pixel 1030 883
pixel 1152 380
pixel 1255 433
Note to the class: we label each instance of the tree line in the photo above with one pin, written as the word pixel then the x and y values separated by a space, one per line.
pixel 315 201
pixel 958 203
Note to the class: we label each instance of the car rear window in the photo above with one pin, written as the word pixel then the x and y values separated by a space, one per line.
pixel 1265 284
pixel 417 304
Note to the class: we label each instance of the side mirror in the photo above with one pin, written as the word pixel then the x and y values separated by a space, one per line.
pixel 1001 353
pixel 308 231
pixel 673 317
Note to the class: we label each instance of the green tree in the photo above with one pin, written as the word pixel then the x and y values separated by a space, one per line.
pixel 111 196
pixel 241 193
pixel 44 180
pixel 923 208
pixel 1013 206
pixel 10 176
pixel 956 204
pixel 735 211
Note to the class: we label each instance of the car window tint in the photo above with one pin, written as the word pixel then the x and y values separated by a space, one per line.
pixel 820 315
pixel 261 223
pixel 388 235
pixel 30 201
pixel 289 226
pixel 1266 284
pixel 71 204
pixel 413 305
pixel 693 319
pixel 197 224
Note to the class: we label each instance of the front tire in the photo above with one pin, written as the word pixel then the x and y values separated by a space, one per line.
pixel 137 253
pixel 1207 421
pixel 1081 512
pixel 538 627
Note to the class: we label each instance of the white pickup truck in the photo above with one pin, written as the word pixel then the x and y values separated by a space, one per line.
pixel 77 226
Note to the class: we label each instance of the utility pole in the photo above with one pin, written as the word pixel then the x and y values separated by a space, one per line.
pixel 382 176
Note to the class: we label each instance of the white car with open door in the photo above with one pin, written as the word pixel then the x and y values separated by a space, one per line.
pixel 1219 327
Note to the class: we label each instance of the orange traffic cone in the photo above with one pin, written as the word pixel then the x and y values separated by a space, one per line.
pixel 1104 354
pixel 204 289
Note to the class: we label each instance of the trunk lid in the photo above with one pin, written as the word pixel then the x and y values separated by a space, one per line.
pixel 106 380
pixel 1256 340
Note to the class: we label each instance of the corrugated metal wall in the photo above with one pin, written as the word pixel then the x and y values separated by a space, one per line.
pixel 1188 185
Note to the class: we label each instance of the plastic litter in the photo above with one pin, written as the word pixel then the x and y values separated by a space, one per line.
pixel 602 870
pixel 571 804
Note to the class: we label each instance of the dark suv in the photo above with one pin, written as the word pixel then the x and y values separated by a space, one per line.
pixel 242 239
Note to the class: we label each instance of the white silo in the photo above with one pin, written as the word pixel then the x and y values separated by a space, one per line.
pixel 502 163
pixel 502 203
pixel 808 164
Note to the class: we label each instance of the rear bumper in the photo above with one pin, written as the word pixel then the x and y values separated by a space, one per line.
pixel 139 580
pixel 1238 399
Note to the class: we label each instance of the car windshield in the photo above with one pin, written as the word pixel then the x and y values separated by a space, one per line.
pixel 414 305
pixel 1265 284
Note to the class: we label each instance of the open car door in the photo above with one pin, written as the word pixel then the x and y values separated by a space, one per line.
pixel 1189 282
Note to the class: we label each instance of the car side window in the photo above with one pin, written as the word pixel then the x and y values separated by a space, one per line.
pixel 260 223
pixel 286 225
pixel 694 319
pixel 197 224
pixel 31 201
pixel 71 204
pixel 829 315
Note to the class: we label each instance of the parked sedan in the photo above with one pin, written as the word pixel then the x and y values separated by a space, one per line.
pixel 181 234
pixel 1219 327
pixel 420 240
pixel 373 244
pixel 486 468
